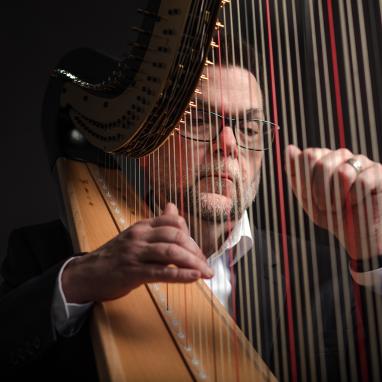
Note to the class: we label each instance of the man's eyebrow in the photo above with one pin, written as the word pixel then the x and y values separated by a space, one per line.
pixel 204 106
pixel 255 110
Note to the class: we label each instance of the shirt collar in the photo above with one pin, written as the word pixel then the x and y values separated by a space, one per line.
pixel 241 237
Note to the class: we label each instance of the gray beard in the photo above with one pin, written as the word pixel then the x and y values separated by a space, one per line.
pixel 205 211
pixel 200 206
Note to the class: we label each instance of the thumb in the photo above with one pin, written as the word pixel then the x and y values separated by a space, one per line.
pixel 292 153
pixel 170 209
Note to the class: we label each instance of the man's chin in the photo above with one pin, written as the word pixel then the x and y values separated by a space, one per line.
pixel 218 208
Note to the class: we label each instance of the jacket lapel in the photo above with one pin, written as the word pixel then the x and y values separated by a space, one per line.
pixel 259 296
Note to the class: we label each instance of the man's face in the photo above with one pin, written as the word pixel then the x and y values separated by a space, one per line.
pixel 218 179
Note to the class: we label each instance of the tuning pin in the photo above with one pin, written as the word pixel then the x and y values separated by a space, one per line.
pixel 203 77
pixel 139 30
pixel 224 2
pixel 197 91
pixel 148 13
pixel 218 25
pixel 138 46
pixel 214 45
pixel 142 31
pixel 192 104
pixel 208 62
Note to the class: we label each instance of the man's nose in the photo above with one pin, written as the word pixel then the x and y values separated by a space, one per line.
pixel 226 142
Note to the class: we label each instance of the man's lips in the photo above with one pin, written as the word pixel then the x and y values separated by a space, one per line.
pixel 223 176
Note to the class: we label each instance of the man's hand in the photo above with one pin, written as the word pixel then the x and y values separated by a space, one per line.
pixel 338 197
pixel 153 250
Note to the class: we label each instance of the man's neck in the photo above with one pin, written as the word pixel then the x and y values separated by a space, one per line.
pixel 210 236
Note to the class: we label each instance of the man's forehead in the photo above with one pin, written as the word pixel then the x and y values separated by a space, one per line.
pixel 206 106
pixel 233 89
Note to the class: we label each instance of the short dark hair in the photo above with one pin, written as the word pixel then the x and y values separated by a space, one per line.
pixel 237 52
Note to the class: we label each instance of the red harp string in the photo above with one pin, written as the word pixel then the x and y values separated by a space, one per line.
pixel 348 207
pixel 288 292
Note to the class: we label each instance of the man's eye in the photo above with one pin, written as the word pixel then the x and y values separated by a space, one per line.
pixel 250 128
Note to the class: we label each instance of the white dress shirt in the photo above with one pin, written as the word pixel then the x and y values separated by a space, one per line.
pixel 222 261
pixel 371 279
pixel 68 317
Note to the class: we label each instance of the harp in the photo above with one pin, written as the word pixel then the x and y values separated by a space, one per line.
pixel 318 65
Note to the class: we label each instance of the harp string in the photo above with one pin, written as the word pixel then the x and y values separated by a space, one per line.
pixel 255 311
pixel 217 280
pixel 348 212
pixel 305 355
pixel 245 321
pixel 182 212
pixel 235 206
pixel 361 132
pixel 332 145
pixel 288 293
pixel 328 202
pixel 323 143
pixel 201 109
pixel 248 320
pixel 277 302
pixel 269 211
pixel 252 312
pixel 235 114
pixel 300 266
pixel 376 157
pixel 195 165
pixel 371 315
pixel 186 150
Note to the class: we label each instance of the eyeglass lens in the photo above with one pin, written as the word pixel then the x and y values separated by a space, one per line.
pixel 250 133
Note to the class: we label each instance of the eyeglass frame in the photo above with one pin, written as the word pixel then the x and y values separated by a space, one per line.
pixel 232 121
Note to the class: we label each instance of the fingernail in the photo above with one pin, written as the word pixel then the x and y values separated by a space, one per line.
pixel 209 273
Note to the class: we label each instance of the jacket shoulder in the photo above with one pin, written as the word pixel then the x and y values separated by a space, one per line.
pixel 32 249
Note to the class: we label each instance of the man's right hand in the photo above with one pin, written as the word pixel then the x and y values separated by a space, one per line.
pixel 153 250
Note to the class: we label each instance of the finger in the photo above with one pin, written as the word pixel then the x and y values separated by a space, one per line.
pixel 301 165
pixel 170 209
pixel 292 153
pixel 344 177
pixel 174 235
pixel 169 253
pixel 173 220
pixel 367 183
pixel 324 177
pixel 159 273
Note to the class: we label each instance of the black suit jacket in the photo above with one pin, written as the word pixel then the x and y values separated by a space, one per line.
pixel 322 312
pixel 31 346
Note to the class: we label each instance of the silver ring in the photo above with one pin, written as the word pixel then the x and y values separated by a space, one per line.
pixel 356 164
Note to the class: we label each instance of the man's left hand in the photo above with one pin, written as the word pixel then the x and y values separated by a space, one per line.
pixel 343 199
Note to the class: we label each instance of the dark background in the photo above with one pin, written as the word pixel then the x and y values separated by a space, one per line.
pixel 34 36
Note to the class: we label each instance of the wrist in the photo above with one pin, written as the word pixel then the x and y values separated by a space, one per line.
pixel 73 281
pixel 366 265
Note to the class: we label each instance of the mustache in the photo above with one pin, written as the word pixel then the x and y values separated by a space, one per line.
pixel 225 170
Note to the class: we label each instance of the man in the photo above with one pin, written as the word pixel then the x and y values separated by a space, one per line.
pixel 220 179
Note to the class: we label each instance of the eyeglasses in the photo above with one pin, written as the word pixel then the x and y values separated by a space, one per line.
pixel 251 133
